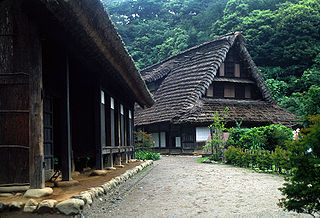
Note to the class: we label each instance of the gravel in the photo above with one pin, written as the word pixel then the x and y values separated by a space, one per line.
pixel 178 186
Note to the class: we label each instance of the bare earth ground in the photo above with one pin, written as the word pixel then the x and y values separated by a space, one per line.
pixel 178 186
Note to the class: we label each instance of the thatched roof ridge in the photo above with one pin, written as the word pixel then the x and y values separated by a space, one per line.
pixel 157 74
pixel 188 75
pixel 89 23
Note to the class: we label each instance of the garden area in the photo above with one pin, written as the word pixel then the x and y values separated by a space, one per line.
pixel 143 145
pixel 274 149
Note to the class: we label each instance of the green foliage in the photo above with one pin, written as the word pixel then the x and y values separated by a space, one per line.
pixel 305 103
pixel 264 161
pixel 146 155
pixel 216 144
pixel 143 140
pixel 260 138
pixel 302 190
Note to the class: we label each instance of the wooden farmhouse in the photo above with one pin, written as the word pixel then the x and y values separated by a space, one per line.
pixel 190 87
pixel 67 90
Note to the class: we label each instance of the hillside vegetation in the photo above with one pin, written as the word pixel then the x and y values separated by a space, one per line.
pixel 283 38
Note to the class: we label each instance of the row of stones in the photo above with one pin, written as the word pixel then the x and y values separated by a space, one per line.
pixel 76 203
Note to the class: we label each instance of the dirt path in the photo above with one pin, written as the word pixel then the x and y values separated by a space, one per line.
pixel 181 187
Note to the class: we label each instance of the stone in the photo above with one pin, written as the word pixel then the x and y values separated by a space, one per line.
pixel 75 174
pixel 111 184
pixel 38 193
pixel 132 160
pixel 70 207
pixel 47 206
pixel 119 166
pixel 30 206
pixel 6 195
pixel 66 183
pixel 94 191
pixel 18 194
pixel 207 161
pixel 111 168
pixel 3 206
pixel 99 173
pixel 15 205
pixel 85 196
pixel 100 191
pixel 14 189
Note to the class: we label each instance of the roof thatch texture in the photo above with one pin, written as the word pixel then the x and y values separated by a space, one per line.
pixel 88 22
pixel 187 76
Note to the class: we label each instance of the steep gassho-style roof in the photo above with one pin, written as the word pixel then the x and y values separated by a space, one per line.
pixel 186 77
pixel 88 22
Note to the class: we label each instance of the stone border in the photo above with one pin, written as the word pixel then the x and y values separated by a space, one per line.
pixel 76 203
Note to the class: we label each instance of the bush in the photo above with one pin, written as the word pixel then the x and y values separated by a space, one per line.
pixel 302 190
pixel 143 140
pixel 147 155
pixel 276 161
pixel 260 138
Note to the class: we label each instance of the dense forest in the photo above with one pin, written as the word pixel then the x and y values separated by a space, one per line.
pixel 283 37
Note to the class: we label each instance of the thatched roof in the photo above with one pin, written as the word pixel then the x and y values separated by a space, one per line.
pixel 88 22
pixel 187 76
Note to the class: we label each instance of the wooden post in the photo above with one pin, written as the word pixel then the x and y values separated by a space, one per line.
pixel 34 55
pixel 124 158
pixel 98 110
pixel 65 130
pixel 118 159
pixel 36 159
pixel 110 160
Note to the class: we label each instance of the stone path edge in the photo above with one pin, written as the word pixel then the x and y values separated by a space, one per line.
pixel 76 203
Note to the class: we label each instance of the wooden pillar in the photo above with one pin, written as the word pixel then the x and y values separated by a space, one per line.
pixel 124 158
pixel 65 128
pixel 118 159
pixel 34 59
pixel 98 113
pixel 36 159
pixel 110 160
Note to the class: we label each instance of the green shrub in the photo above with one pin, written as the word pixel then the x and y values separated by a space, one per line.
pixel 275 136
pixel 146 155
pixel 302 190
pixel 263 160
pixel 143 140
pixel 235 135
pixel 260 138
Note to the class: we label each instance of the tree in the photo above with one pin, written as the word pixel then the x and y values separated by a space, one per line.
pixel 216 131
pixel 302 190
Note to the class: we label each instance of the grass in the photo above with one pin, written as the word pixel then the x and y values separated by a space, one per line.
pixel 200 160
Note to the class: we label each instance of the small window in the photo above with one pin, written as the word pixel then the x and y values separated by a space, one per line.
pixel 121 109
pixel 111 103
pixel 237 70
pixel 178 142
pixel 102 97
pixel 229 91
pixel 162 139
pixel 248 92
pixel 210 91
pixel 229 69
pixel 221 70
pixel 155 137
pixel 202 134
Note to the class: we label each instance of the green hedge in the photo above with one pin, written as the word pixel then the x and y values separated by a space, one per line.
pixel 147 155
pixel 268 161
pixel 261 138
